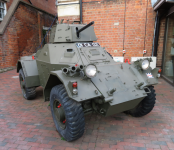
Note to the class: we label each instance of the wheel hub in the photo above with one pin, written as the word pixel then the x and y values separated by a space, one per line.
pixel 59 114
pixel 23 84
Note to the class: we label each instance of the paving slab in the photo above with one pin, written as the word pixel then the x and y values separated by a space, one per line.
pixel 29 125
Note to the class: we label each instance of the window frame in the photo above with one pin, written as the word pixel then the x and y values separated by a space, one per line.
pixel 4 8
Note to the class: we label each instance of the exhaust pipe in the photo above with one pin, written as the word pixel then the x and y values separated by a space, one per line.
pixel 73 69
pixel 65 70
pixel 81 67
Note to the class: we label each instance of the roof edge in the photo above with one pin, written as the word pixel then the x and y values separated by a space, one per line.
pixel 158 4
pixel 12 10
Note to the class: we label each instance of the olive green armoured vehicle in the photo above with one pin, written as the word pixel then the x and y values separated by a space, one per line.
pixel 78 77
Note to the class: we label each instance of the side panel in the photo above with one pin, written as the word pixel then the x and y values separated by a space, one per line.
pixel 31 73
pixel 53 57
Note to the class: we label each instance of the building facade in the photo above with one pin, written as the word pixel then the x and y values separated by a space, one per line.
pixel 165 36
pixel 21 27
pixel 119 24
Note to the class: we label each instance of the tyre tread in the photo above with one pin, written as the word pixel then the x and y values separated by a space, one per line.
pixel 147 103
pixel 75 122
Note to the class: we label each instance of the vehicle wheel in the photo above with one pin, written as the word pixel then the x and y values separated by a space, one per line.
pixel 110 55
pixel 67 114
pixel 145 106
pixel 28 93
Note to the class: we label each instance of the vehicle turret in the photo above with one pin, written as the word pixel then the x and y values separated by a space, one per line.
pixel 72 33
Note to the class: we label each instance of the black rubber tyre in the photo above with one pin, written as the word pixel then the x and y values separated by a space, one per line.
pixel 28 93
pixel 110 55
pixel 146 105
pixel 74 126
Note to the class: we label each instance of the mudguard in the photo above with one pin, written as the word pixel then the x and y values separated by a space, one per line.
pixel 86 89
pixel 30 70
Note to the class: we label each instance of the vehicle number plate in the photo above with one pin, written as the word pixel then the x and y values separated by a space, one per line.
pixel 79 45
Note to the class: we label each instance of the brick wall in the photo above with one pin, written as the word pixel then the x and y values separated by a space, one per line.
pixel 8 4
pixel 22 35
pixel 134 37
pixel 161 42
pixel 121 24
pixel 47 5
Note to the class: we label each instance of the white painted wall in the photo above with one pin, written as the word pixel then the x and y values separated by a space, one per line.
pixel 68 10
pixel 118 59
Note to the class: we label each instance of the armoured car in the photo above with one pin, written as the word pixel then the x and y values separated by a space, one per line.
pixel 78 77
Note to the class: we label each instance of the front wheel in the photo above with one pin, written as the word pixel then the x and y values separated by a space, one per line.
pixel 67 114
pixel 145 106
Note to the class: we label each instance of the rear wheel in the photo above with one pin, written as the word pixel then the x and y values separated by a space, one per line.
pixel 67 114
pixel 28 93
pixel 145 106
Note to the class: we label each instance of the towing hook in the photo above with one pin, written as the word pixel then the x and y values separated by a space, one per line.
pixel 110 92
pixel 140 84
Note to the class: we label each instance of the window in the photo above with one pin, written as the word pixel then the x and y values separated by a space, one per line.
pixel 2 10
pixel 168 58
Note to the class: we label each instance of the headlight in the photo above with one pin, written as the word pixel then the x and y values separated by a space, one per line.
pixel 145 64
pixel 90 71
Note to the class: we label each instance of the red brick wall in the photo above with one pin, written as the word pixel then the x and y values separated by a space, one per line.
pixel 47 5
pixel 161 42
pixel 22 35
pixel 106 13
pixel 137 34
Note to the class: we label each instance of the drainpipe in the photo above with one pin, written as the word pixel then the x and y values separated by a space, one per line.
pixel 157 35
pixel 81 15
pixel 154 33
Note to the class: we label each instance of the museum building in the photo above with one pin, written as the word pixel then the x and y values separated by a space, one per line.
pixel 164 36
